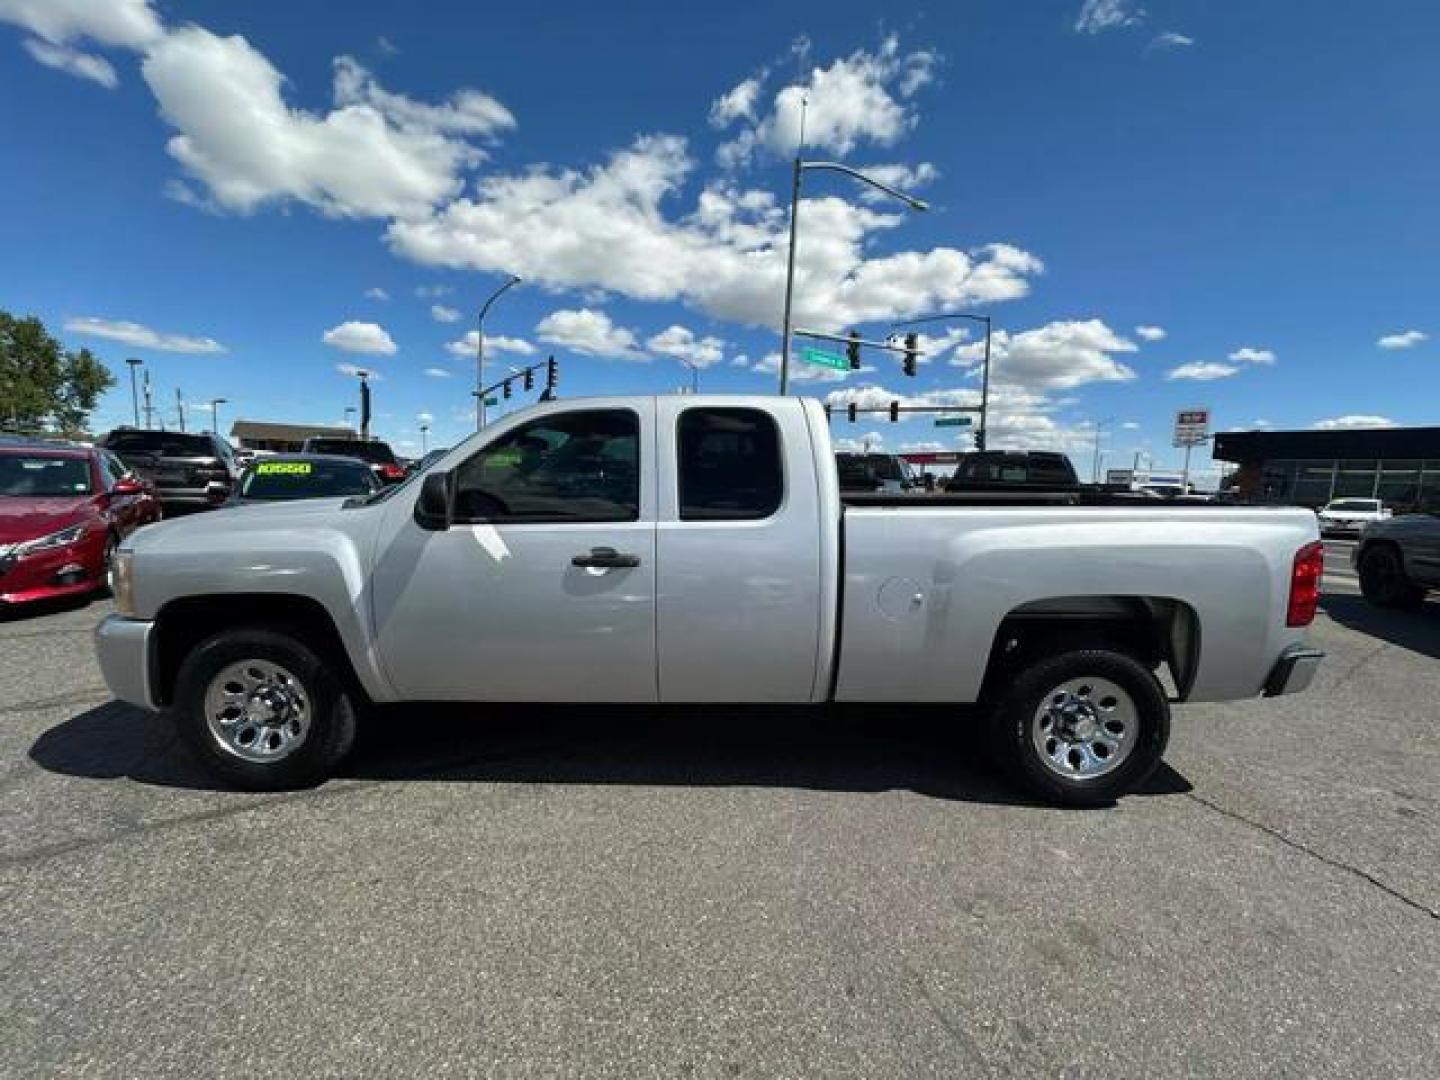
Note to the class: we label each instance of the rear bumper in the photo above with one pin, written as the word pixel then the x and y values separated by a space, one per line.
pixel 1293 671
pixel 123 648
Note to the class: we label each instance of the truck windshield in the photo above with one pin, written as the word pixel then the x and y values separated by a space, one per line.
pixel 306 480
pixel 42 477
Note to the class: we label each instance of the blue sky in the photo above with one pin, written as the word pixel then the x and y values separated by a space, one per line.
pixel 215 188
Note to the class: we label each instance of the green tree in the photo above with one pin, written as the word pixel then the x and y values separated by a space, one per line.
pixel 43 385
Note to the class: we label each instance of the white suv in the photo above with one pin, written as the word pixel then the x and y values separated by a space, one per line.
pixel 1348 516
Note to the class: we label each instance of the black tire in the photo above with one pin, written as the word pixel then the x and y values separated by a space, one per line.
pixel 332 714
pixel 1383 581
pixel 1015 713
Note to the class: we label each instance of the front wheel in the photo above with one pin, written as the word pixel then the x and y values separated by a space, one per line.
pixel 1083 728
pixel 1383 581
pixel 262 710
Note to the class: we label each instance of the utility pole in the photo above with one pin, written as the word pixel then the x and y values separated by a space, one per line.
pixel 480 350
pixel 180 407
pixel 349 412
pixel 149 404
pixel 133 363
pixel 1100 426
pixel 215 404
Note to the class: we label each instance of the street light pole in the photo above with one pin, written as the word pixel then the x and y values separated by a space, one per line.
pixel 215 404
pixel 1100 426
pixel 694 375
pixel 480 350
pixel 134 392
pixel 349 411
pixel 802 166
pixel 424 439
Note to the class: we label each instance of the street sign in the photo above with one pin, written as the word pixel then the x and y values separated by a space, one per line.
pixel 1192 427
pixel 952 421
pixel 825 359
pixel 491 402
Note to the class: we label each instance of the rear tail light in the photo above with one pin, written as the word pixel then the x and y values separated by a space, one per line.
pixel 392 472
pixel 1305 584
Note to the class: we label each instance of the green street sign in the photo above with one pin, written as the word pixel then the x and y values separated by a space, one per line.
pixel 952 421
pixel 491 402
pixel 825 359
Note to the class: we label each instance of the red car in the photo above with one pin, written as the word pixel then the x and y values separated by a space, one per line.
pixel 63 510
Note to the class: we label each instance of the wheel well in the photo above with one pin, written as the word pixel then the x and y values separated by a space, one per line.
pixel 1154 630
pixel 183 624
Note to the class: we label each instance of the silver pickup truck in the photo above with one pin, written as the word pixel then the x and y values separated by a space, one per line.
pixel 698 549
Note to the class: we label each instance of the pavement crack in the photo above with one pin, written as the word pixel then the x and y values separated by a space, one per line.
pixel 1345 676
pixel 1305 849
pixel 73 697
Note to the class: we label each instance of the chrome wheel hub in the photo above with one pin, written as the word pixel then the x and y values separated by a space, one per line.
pixel 257 710
pixel 1085 728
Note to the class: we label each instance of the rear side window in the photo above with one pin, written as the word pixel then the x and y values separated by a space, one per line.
pixel 730 466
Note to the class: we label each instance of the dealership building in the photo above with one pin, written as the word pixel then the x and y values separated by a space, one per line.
pixel 1399 466
pixel 267 435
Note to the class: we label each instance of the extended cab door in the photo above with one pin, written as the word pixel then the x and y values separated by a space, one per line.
pixel 495 607
pixel 742 615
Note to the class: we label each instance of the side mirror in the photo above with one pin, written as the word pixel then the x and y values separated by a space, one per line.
pixel 128 485
pixel 432 508
pixel 216 492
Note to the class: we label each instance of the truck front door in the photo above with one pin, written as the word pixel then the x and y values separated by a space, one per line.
pixel 543 586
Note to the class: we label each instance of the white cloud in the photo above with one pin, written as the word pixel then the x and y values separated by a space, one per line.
pixel 441 313
pixel 860 98
pixel 386 46
pixel 377 154
pixel 360 337
pixel 494 343
pixel 871 442
pixel 129 23
pixel 740 360
pixel 376 293
pixel 1058 356
pixel 140 336
pixel 429 292
pixel 590 333
pixel 1019 419
pixel 1248 355
pixel 1340 423
pixel 74 62
pixel 1202 371
pixel 355 370
pixel 681 342
pixel 438 373
pixel 1404 340
pixel 1150 333
pixel 1097 16
pixel 424 418
pixel 738 103
pixel 1130 425
pixel 1170 40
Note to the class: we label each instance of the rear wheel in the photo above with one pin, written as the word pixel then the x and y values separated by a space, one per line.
pixel 261 709
pixel 1383 580
pixel 1083 727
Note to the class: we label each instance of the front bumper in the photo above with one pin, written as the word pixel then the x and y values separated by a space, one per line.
pixel 123 648
pixel 54 572
pixel 1293 671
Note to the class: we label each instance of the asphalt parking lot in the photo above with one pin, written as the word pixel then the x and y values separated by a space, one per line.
pixel 706 893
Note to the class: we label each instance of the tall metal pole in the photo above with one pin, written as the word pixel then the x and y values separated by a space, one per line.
pixel 348 410
pixel 149 404
pixel 1185 475
pixel 985 392
pixel 789 280
pixel 480 351
pixel 134 392
pixel 180 407
pixel 424 439
pixel 215 404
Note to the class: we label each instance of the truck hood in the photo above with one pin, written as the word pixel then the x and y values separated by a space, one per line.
pixel 194 530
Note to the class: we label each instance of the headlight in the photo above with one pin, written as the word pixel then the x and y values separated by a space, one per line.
pixel 122 582
pixel 54 540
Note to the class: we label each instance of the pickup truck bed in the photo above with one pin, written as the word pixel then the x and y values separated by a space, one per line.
pixel 696 549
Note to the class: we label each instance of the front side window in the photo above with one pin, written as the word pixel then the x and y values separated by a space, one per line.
pixel 573 466
pixel 730 468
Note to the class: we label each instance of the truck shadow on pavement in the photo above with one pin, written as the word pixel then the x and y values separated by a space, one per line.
pixel 930 751
pixel 1418 631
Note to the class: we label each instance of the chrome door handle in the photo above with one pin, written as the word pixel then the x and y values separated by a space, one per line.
pixel 606 557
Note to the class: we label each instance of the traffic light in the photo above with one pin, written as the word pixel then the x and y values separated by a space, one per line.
pixel 827 412
pixel 529 378
pixel 912 342
pixel 552 376
pixel 505 389
pixel 850 409
pixel 894 412
pixel 979 438
pixel 852 350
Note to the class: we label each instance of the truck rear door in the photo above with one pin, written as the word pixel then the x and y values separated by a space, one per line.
pixel 743 602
